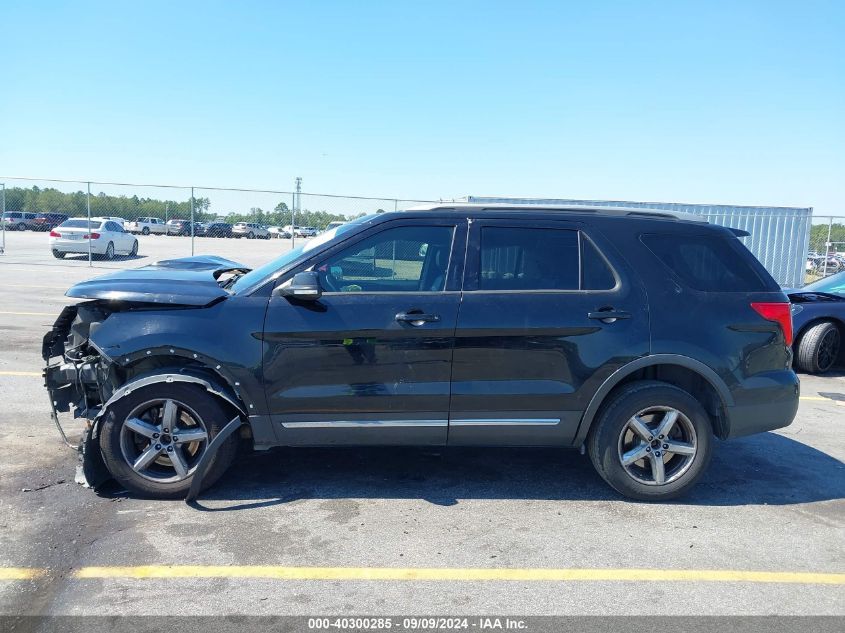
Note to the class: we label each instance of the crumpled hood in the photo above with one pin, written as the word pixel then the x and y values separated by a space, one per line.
pixel 190 281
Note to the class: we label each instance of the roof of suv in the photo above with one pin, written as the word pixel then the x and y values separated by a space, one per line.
pixel 569 208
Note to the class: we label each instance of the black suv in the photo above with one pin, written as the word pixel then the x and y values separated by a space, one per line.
pixel 634 335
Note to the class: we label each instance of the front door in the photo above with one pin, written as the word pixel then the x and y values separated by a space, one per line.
pixel 535 335
pixel 370 361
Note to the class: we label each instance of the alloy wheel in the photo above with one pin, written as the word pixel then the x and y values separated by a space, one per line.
pixel 657 445
pixel 163 440
pixel 828 349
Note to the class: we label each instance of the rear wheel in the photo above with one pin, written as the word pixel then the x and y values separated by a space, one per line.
pixel 58 254
pixel 651 442
pixel 134 251
pixel 250 235
pixel 21 226
pixel 153 439
pixel 145 230
pixel 109 254
pixel 818 348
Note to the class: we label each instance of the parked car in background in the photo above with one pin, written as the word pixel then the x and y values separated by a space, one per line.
pixel 468 325
pixel 200 229
pixel 818 316
pixel 107 238
pixel 179 227
pixel 17 220
pixel 119 221
pixel 305 231
pixel 278 232
pixel 147 226
pixel 46 221
pixel 250 230
pixel 218 229
pixel 333 225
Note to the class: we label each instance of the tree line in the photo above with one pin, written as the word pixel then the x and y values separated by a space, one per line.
pixel 49 200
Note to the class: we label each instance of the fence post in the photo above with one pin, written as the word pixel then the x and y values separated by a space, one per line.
pixel 827 245
pixel 3 216
pixel 192 221
pixel 292 220
pixel 88 207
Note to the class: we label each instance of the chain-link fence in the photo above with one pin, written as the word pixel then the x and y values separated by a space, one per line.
pixel 246 225
pixel 826 252
pixel 253 226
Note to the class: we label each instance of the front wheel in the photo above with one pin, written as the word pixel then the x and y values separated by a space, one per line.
pixel 250 235
pixel 21 226
pixel 651 442
pixel 153 439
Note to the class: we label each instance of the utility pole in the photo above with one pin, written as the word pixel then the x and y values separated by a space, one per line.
pixel 88 206
pixel 192 221
pixel 3 217
pixel 297 203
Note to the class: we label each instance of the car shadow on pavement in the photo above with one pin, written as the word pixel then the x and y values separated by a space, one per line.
pixel 765 469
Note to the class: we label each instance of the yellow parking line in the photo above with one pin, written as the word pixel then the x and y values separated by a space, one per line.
pixel 21 573
pixel 52 314
pixel 273 572
pixel 817 398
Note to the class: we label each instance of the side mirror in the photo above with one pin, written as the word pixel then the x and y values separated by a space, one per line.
pixel 304 286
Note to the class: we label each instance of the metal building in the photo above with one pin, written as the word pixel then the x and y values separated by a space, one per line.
pixel 780 236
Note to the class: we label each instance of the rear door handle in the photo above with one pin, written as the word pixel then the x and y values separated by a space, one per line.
pixel 609 316
pixel 417 318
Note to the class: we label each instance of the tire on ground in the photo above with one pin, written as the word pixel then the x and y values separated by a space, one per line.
pixel 807 356
pixel 603 439
pixel 203 403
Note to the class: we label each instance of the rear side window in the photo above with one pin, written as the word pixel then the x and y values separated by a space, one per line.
pixel 705 262
pixel 541 259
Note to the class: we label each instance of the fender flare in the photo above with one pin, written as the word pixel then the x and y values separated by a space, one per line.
pixel 650 361
pixel 180 375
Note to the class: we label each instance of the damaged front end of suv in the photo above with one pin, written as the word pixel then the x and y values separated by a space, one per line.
pixel 118 345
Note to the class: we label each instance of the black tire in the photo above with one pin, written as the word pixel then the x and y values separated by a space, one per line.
pixel 21 226
pixel 250 235
pixel 109 254
pixel 818 348
pixel 59 254
pixel 604 443
pixel 145 230
pixel 134 251
pixel 200 401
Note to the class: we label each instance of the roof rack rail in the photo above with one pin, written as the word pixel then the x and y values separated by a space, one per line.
pixel 567 208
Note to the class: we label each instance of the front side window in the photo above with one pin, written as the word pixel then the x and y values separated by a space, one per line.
pixel 402 259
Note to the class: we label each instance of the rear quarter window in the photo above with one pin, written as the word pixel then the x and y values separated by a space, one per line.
pixel 709 263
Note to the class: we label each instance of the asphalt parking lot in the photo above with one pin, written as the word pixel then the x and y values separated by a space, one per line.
pixel 401 531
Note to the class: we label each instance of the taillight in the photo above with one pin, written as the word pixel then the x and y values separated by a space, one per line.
pixel 780 313
pixel 54 234
pixel 92 236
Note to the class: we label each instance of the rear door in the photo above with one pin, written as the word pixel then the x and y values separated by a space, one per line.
pixel 549 311
pixel 370 361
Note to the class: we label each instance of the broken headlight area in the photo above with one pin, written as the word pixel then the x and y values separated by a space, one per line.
pixel 77 377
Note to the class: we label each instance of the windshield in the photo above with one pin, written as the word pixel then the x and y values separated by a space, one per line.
pixel 255 276
pixel 835 284
pixel 80 224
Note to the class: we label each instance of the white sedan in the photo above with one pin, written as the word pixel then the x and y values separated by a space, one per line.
pixel 107 238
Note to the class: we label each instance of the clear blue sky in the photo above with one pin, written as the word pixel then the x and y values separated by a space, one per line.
pixel 731 102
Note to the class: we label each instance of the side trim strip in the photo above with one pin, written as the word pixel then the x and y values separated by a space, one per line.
pixel 361 424
pixel 505 422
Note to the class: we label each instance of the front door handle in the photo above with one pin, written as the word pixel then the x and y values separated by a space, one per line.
pixel 609 316
pixel 417 317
